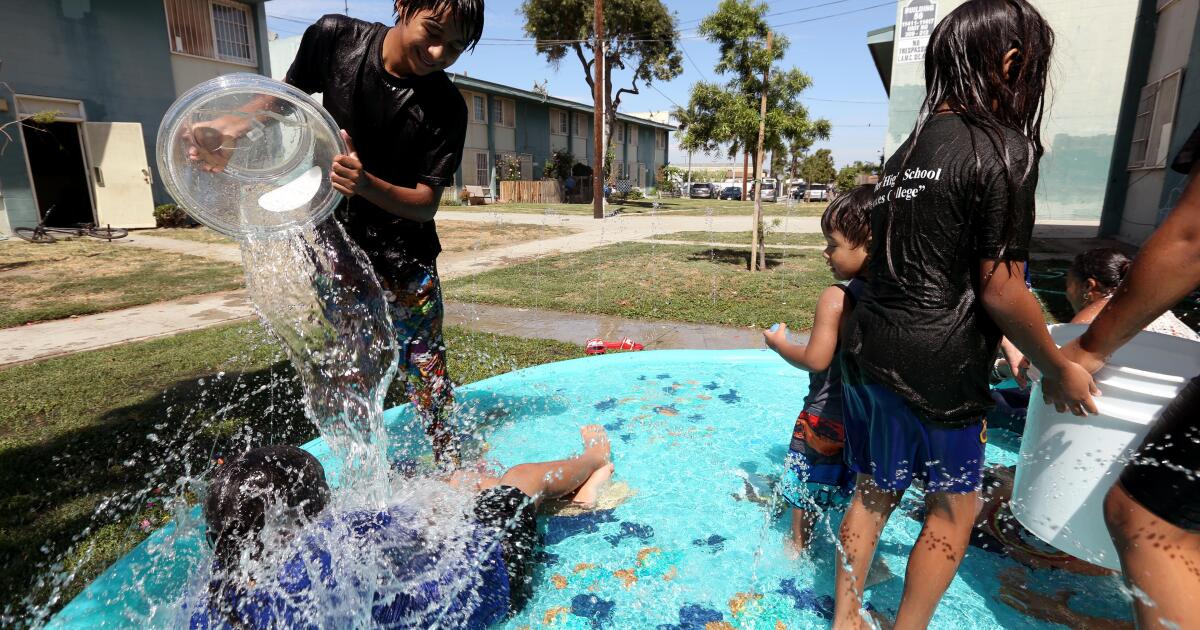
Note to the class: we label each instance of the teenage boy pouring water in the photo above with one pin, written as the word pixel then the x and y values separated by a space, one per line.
pixel 404 124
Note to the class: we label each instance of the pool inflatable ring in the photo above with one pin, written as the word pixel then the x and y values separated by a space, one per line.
pixel 600 346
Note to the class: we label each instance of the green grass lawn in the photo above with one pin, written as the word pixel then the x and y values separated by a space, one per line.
pixel 123 423
pixel 671 206
pixel 743 238
pixel 700 284
pixel 80 277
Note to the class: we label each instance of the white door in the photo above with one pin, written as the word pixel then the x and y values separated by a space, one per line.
pixel 120 175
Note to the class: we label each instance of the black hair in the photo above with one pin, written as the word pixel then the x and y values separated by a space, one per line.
pixel 1105 265
pixel 964 70
pixel 850 214
pixel 244 490
pixel 468 13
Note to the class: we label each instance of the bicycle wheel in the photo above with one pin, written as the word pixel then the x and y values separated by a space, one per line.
pixel 34 235
pixel 106 233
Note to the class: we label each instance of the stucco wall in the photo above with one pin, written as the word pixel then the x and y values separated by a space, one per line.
pixel 1089 66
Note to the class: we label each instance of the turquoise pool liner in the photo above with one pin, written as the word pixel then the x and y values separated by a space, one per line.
pixel 699 438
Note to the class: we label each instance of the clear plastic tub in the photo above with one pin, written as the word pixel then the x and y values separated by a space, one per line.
pixel 1068 463
pixel 245 154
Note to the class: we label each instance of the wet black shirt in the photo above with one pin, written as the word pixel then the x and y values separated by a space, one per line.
pixel 406 131
pixel 923 332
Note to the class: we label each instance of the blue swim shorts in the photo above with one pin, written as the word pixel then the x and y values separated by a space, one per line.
pixel 887 440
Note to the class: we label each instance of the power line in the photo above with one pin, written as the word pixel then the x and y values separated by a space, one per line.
pixel 834 15
pixel 694 65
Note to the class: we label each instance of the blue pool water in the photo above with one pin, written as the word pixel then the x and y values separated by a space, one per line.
pixel 699 437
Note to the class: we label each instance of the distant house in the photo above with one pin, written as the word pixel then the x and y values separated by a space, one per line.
pixel 109 69
pixel 506 121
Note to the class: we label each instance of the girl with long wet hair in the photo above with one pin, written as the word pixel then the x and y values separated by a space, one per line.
pixel 952 221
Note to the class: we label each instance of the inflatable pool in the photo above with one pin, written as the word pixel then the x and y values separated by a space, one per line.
pixel 698 438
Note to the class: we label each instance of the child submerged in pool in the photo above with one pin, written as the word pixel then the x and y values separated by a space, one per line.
pixel 817 478
pixel 951 229
pixel 281 552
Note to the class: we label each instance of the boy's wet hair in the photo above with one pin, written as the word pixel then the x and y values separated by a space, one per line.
pixel 468 13
pixel 1105 265
pixel 243 491
pixel 850 215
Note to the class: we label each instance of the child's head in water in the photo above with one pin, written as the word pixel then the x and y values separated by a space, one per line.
pixel 281 484
pixel 846 225
pixel 1095 275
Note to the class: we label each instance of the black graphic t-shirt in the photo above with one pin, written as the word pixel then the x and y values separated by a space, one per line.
pixel 406 131
pixel 923 331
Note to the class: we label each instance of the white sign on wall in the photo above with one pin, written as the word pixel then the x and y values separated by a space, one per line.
pixel 916 24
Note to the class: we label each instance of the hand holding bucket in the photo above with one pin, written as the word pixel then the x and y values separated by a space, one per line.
pixel 1068 463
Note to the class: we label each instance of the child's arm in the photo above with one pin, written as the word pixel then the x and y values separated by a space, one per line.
pixel 817 354
pixel 1012 306
pixel 415 204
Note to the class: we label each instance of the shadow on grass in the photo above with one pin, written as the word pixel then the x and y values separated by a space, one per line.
pixel 95 484
pixel 736 257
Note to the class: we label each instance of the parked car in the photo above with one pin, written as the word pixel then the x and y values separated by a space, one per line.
pixel 730 192
pixel 701 191
pixel 770 190
pixel 796 190
pixel 817 192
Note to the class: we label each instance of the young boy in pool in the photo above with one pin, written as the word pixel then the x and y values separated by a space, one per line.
pixel 951 228
pixel 404 123
pixel 817 478
pixel 275 500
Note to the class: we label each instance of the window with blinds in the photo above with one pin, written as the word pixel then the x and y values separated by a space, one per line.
pixel 503 112
pixel 222 30
pixel 1155 122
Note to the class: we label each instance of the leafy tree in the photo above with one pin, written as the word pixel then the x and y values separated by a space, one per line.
pixel 818 168
pixel 639 35
pixel 559 165
pixel 847 177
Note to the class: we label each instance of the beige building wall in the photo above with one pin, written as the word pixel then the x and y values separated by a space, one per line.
pixel 1087 81
pixel 1172 48
pixel 190 71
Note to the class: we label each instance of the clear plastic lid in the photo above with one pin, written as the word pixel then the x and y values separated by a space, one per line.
pixel 245 154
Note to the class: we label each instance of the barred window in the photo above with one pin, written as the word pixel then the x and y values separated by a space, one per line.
pixel 214 29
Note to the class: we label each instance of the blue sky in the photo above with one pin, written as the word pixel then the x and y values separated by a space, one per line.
pixel 831 50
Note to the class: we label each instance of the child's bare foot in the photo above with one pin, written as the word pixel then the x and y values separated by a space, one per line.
pixel 595 444
pixel 589 492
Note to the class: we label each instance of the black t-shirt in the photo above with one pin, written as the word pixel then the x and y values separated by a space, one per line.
pixel 406 131
pixel 1187 155
pixel 923 332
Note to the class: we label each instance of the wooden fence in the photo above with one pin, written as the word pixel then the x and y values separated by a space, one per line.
pixel 545 191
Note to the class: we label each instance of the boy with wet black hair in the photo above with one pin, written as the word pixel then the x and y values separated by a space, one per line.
pixel 280 550
pixel 404 123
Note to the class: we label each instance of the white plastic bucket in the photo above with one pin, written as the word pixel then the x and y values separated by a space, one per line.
pixel 1068 463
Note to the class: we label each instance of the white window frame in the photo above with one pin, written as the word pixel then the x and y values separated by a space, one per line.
pixel 1149 147
pixel 581 125
pixel 485 171
pixel 660 139
pixel 560 122
pixel 619 132
pixel 631 132
pixel 479 110
pixel 251 34
pixel 508 108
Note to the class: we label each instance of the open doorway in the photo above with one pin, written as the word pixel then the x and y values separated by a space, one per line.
pixel 56 164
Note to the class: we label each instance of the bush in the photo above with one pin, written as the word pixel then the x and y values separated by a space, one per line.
pixel 581 170
pixel 508 168
pixel 634 194
pixel 169 215
pixel 559 165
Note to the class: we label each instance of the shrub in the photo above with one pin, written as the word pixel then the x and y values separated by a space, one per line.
pixel 169 215
pixel 508 168
pixel 581 170
pixel 559 165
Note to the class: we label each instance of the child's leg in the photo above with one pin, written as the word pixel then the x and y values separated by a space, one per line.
pixel 936 555
pixel 551 480
pixel 802 525
pixel 861 526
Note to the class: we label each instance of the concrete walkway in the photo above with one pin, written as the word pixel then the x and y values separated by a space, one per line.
pixel 35 342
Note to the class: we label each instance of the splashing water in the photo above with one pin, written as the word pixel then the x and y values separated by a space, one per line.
pixel 319 296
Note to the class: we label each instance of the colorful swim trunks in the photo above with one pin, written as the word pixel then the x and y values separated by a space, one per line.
pixel 817 476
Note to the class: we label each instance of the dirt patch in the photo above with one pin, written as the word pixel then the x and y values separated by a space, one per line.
pixel 462 236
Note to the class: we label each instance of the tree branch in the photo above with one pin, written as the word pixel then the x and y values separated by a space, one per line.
pixel 634 90
pixel 587 65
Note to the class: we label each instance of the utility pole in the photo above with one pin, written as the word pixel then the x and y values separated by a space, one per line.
pixel 756 233
pixel 598 131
